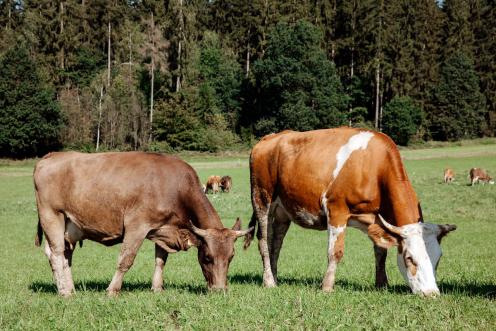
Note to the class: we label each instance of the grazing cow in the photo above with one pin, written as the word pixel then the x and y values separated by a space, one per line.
pixel 213 184
pixel 331 179
pixel 124 198
pixel 449 175
pixel 479 175
pixel 226 183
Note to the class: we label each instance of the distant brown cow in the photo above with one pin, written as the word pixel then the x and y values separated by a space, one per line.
pixel 449 175
pixel 213 184
pixel 226 183
pixel 480 175
pixel 124 198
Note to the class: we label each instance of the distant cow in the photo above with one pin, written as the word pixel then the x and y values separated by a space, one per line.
pixel 226 183
pixel 124 198
pixel 335 178
pixel 449 175
pixel 213 184
pixel 480 175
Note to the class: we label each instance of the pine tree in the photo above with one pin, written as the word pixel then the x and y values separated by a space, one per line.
pixel 30 118
pixel 459 105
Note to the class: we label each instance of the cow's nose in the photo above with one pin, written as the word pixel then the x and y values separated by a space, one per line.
pixel 218 288
pixel 431 293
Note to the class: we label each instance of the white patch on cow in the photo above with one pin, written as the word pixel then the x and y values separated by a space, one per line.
pixel 356 142
pixel 420 244
pixel 333 233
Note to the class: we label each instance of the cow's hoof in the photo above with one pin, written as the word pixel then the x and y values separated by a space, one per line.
pixel 270 285
pixel 327 289
pixel 66 294
pixel 157 289
pixel 112 293
pixel 381 285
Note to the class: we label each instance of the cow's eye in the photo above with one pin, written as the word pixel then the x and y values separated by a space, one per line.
pixel 207 259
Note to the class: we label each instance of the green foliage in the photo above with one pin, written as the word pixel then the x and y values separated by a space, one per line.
pixel 401 119
pixel 30 118
pixel 220 78
pixel 86 64
pixel 459 104
pixel 299 86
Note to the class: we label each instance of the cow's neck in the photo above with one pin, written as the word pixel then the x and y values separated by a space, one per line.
pixel 401 205
pixel 204 215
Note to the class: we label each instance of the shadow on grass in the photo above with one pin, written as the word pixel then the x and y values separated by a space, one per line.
pixel 467 289
pixel 101 286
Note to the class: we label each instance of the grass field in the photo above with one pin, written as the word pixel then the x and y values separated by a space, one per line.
pixel 466 274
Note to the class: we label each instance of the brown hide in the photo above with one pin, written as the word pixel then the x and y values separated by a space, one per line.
pixel 449 175
pixel 297 168
pixel 213 184
pixel 479 175
pixel 127 197
pixel 226 183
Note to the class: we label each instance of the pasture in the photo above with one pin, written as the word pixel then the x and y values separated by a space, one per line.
pixel 466 274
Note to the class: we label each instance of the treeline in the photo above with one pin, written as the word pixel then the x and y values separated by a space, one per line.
pixel 213 75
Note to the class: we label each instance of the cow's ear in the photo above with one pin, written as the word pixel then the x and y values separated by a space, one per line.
pixel 188 239
pixel 444 230
pixel 380 237
pixel 237 225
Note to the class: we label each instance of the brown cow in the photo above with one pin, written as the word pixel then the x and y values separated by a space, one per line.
pixel 449 175
pixel 213 184
pixel 124 198
pixel 226 183
pixel 331 179
pixel 479 175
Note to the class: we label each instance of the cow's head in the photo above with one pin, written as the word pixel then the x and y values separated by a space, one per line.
pixel 419 251
pixel 215 252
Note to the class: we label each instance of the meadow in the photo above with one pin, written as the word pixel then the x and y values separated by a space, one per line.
pixel 466 275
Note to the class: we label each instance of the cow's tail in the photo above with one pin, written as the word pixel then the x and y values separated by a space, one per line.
pixel 249 236
pixel 39 235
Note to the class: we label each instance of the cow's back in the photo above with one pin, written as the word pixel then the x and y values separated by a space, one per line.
pixel 299 167
pixel 100 191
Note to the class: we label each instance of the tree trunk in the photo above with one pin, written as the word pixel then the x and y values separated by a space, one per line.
pixel 108 55
pixel 377 89
pixel 99 120
pixel 152 83
pixel 248 60
pixel 62 50
pixel 179 47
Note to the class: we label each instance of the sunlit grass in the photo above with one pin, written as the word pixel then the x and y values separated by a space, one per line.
pixel 466 275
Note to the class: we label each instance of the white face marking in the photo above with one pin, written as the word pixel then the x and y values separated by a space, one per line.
pixel 421 246
pixel 356 142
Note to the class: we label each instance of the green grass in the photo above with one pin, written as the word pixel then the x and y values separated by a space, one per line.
pixel 466 275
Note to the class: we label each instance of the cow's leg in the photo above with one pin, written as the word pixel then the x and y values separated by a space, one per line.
pixel 264 234
pixel 131 243
pixel 53 225
pixel 160 259
pixel 279 230
pixel 336 227
pixel 381 280
pixel 69 250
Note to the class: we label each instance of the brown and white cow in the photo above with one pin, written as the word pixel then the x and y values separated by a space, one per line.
pixel 226 183
pixel 331 179
pixel 124 198
pixel 213 184
pixel 479 175
pixel 449 175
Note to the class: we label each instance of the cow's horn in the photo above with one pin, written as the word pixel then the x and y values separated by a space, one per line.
pixel 390 227
pixel 241 233
pixel 197 231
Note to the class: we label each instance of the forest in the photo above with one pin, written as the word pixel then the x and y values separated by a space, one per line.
pixel 166 76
